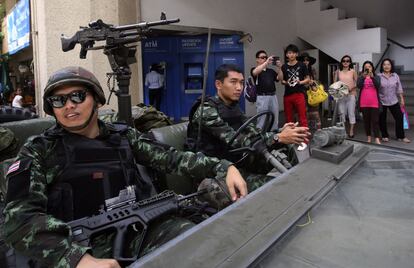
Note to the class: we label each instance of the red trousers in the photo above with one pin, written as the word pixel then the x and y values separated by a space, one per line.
pixel 295 102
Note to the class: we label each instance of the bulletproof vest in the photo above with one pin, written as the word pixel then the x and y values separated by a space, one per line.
pixel 209 145
pixel 93 170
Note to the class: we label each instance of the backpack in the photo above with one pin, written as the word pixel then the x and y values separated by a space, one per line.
pixel 144 117
pixel 147 117
pixel 250 92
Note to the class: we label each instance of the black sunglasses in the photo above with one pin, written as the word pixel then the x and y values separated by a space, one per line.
pixel 262 57
pixel 346 61
pixel 58 101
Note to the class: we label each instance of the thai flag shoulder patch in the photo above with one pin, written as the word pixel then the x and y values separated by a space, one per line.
pixel 13 167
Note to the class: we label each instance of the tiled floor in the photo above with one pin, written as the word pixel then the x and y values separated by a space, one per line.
pixel 360 136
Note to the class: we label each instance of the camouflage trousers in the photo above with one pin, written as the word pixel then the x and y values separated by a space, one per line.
pixel 218 196
pixel 256 174
pixel 158 233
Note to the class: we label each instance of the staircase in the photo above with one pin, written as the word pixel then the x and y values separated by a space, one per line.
pixel 329 30
pixel 407 82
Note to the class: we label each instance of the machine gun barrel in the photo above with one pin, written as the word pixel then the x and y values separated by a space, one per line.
pixel 100 31
pixel 144 25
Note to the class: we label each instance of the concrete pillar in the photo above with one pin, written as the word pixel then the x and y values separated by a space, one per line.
pixel 50 19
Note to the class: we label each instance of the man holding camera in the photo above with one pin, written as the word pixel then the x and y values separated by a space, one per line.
pixel 265 79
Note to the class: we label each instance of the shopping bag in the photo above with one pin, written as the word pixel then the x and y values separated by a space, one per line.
pixel 316 94
pixel 406 123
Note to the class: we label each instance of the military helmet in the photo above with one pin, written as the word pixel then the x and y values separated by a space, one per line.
pixel 72 75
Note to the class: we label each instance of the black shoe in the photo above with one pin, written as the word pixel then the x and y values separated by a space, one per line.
pixel 351 136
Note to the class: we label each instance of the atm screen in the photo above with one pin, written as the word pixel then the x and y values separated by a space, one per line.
pixel 195 69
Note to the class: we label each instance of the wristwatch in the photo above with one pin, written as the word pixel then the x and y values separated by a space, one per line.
pixel 276 138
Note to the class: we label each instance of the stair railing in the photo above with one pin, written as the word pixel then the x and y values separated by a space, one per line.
pixel 388 46
pixel 382 57
pixel 399 44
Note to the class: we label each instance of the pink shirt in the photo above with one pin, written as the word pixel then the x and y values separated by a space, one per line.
pixel 369 96
pixel 348 78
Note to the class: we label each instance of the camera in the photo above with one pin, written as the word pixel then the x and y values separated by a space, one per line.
pixel 275 59
pixel 366 71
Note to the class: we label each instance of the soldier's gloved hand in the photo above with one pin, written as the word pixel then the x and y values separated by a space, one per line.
pixel 88 261
pixel 235 183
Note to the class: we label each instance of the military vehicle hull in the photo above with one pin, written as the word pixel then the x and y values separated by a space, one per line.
pixel 311 216
pixel 348 205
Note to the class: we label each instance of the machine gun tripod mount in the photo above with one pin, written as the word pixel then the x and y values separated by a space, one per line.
pixel 118 48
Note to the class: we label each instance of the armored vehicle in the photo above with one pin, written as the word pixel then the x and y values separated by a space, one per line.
pixel 349 204
pixel 346 204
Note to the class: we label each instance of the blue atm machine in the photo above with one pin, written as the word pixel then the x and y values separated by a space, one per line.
pixel 161 51
pixel 183 58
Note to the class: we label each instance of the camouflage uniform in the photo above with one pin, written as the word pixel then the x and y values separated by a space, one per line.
pixel 8 144
pixel 8 149
pixel 31 230
pixel 214 125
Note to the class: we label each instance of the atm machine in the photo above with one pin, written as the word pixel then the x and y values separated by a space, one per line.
pixel 184 59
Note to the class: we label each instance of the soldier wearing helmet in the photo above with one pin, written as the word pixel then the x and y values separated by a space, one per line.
pixel 81 79
pixel 71 169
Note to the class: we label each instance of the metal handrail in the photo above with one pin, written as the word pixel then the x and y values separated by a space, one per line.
pixel 399 44
pixel 382 56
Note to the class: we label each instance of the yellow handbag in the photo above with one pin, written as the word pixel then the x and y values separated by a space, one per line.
pixel 316 94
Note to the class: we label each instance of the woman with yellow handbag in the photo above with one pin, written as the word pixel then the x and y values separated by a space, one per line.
pixel 314 119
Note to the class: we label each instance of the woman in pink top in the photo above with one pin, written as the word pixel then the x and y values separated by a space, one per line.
pixel 369 103
pixel 346 105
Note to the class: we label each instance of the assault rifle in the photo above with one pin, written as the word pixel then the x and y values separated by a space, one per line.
pixel 123 212
pixel 119 54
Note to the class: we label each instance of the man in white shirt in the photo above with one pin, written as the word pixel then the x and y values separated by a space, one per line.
pixel 155 83
pixel 18 99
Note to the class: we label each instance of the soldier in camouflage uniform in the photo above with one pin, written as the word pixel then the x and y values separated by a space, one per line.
pixel 222 116
pixel 67 172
